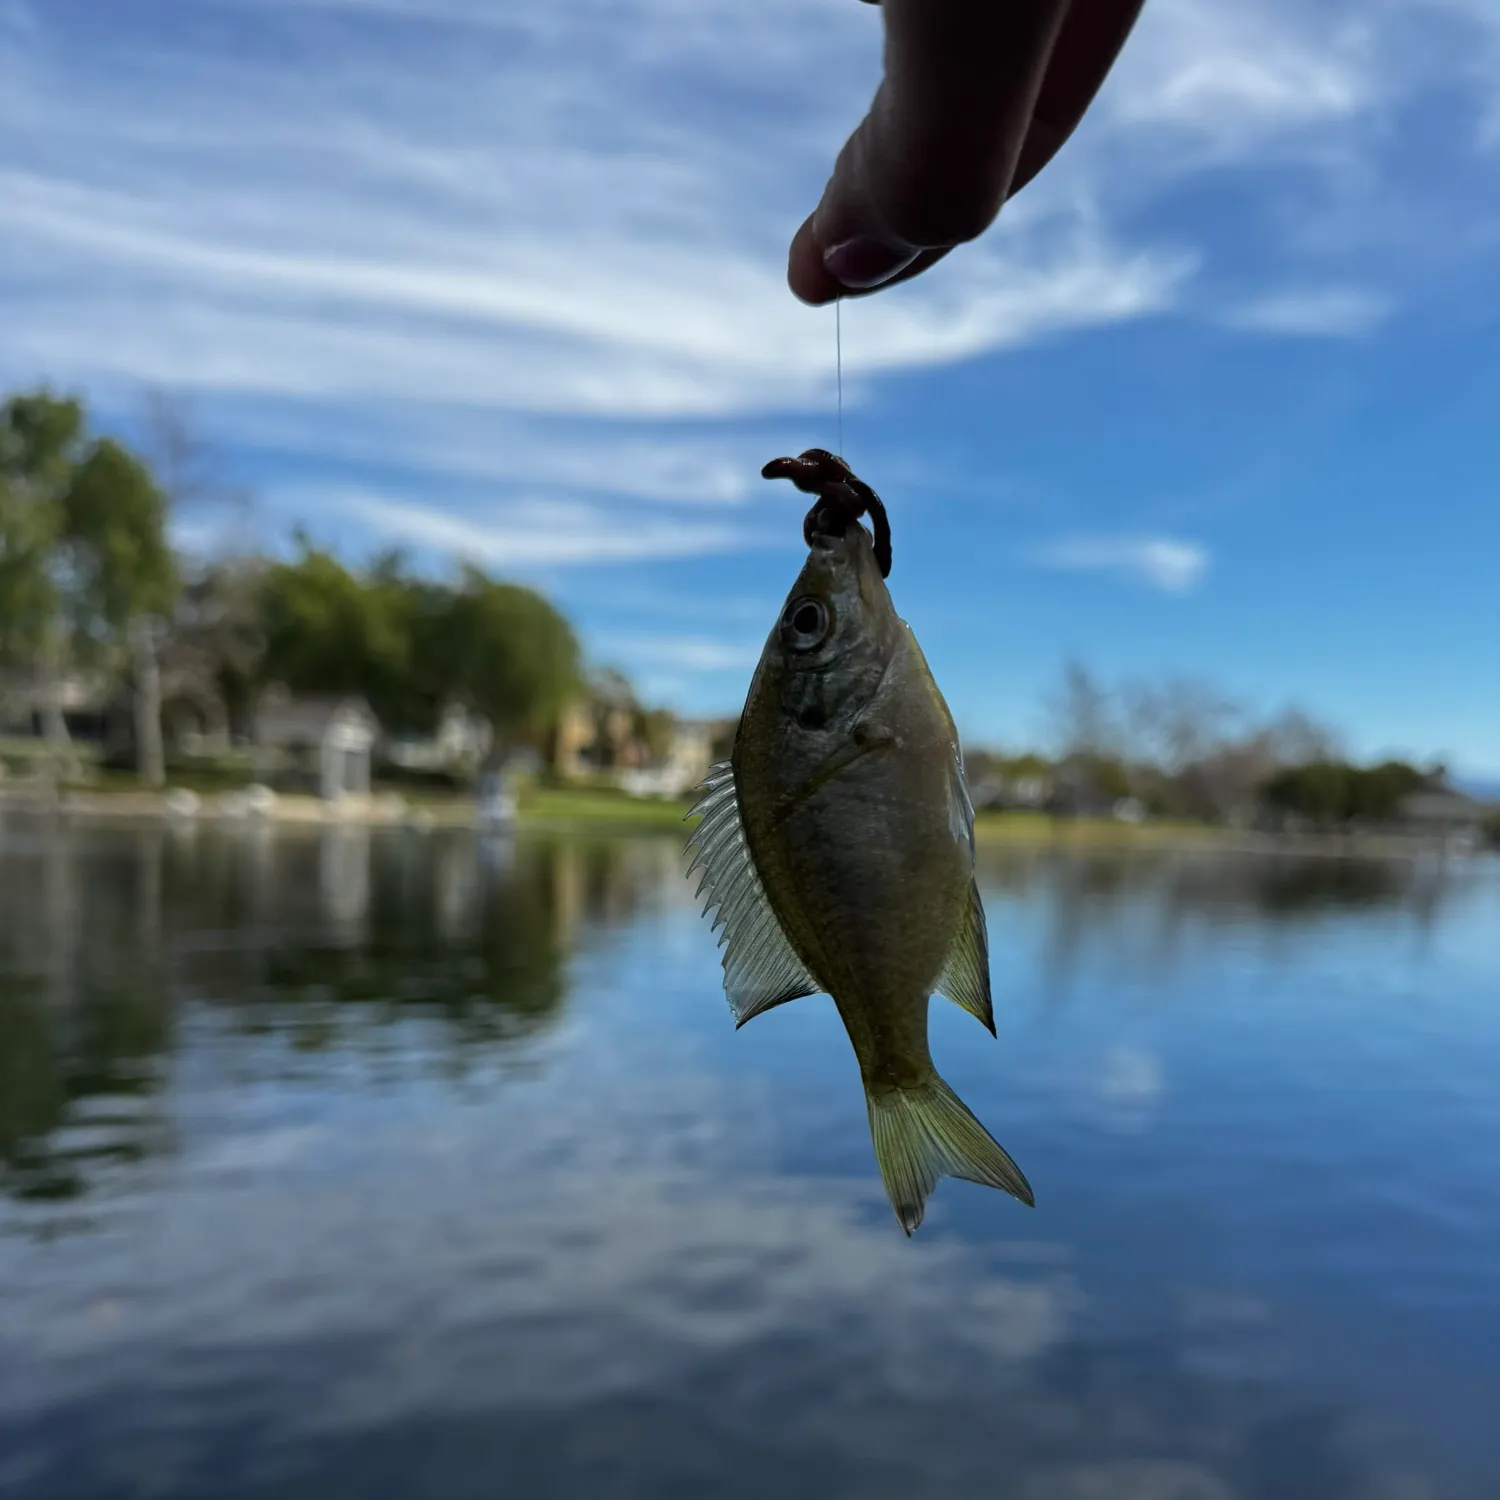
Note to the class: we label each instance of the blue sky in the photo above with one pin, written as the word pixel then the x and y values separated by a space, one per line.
pixel 1217 396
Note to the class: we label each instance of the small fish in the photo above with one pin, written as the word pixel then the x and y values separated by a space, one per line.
pixel 838 844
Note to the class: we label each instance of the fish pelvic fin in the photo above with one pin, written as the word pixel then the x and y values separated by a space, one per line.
pixel 927 1132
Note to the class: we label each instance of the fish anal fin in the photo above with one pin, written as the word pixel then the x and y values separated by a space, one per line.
pixel 747 1009
pixel 965 978
pixel 924 1133
pixel 761 969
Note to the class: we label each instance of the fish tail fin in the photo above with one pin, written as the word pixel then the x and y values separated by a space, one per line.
pixel 927 1132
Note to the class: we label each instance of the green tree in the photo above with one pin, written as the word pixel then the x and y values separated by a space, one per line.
pixel 85 568
pixel 1336 793
pixel 420 608
pixel 41 436
pixel 654 728
pixel 409 645
pixel 509 654
pixel 329 631
pixel 122 580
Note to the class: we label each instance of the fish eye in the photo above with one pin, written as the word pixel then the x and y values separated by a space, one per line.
pixel 805 624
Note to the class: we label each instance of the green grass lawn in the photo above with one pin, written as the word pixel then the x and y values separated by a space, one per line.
pixel 557 807
pixel 566 805
pixel 1037 828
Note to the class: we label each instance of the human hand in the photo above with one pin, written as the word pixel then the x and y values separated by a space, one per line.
pixel 978 96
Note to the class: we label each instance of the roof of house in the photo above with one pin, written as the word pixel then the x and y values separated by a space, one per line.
pixel 1440 806
pixel 304 718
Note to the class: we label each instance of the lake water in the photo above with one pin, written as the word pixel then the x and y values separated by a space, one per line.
pixel 387 1163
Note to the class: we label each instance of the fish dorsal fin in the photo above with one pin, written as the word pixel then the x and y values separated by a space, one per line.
pixel 965 979
pixel 761 970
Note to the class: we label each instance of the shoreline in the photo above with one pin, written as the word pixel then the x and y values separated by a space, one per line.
pixel 560 810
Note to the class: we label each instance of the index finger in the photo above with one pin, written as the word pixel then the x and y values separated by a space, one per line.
pixel 976 99
pixel 1093 32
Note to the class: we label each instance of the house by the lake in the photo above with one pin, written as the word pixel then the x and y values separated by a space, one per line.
pixel 1444 815
pixel 688 757
pixel 316 742
pixel 460 743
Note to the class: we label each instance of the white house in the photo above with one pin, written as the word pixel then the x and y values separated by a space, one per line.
pixel 326 739
pixel 461 741
pixel 1445 816
pixel 685 764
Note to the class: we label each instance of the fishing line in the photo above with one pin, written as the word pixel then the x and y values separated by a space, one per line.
pixel 838 356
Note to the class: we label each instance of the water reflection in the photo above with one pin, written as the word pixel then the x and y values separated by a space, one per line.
pixel 84 1020
pixel 1143 910
pixel 352 927
pixel 107 931
pixel 1220 888
pixel 419 1163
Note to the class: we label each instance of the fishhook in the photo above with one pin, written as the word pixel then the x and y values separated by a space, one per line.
pixel 842 498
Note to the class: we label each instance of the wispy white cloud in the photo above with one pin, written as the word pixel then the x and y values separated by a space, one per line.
pixel 1166 563
pixel 688 653
pixel 207 536
pixel 465 444
pixel 675 605
pixel 607 328
pixel 483 243
pixel 1316 312
pixel 530 533
pixel 1245 82
pixel 538 219
pixel 1302 120
pixel 1228 75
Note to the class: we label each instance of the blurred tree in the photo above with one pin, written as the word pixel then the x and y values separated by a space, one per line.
pixel 654 728
pixel 1334 793
pixel 423 607
pixel 1176 723
pixel 41 438
pixel 721 747
pixel 1089 773
pixel 189 472
pixel 86 571
pixel 510 654
pixel 1293 738
pixel 210 649
pixel 1028 763
pixel 1081 716
pixel 329 631
pixel 409 645
pixel 216 643
pixel 122 580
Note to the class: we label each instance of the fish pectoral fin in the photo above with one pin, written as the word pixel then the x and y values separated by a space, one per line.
pixel 761 969
pixel 965 979
pixel 927 1132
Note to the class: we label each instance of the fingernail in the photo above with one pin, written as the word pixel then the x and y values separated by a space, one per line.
pixel 863 262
